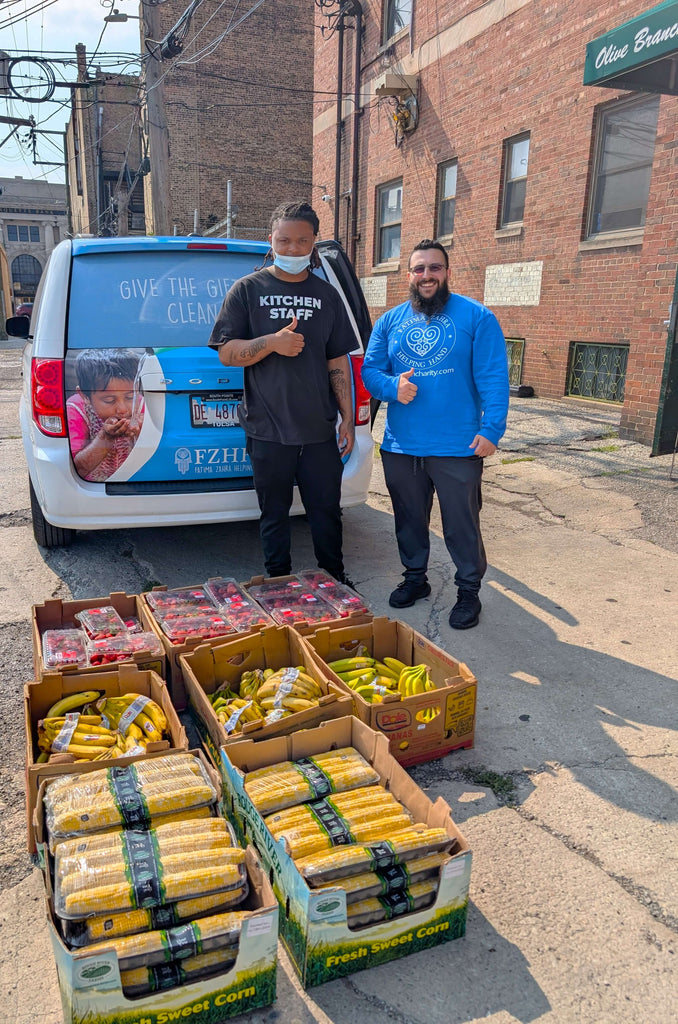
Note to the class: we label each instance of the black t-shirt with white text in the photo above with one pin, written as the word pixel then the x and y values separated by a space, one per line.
pixel 287 398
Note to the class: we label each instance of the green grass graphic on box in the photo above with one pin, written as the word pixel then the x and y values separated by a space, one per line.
pixel 324 962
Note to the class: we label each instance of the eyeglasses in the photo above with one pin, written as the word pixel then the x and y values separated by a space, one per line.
pixel 421 268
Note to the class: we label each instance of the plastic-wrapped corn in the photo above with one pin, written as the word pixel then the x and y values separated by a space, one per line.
pixel 341 819
pixel 114 926
pixel 129 796
pixel 399 848
pixel 390 880
pixel 105 849
pixel 310 778
pixel 305 818
pixel 179 943
pixel 144 980
pixel 139 876
pixel 191 814
pixel 383 908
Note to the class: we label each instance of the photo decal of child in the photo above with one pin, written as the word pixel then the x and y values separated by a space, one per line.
pixel 106 412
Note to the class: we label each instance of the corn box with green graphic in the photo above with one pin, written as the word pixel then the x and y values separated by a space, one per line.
pixel 91 990
pixel 313 923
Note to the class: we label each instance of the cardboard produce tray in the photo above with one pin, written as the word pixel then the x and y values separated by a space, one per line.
pixel 40 696
pixel 414 736
pixel 58 614
pixel 207 667
pixel 313 922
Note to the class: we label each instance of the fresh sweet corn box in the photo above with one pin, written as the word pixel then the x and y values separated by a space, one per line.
pixel 314 922
pixel 91 988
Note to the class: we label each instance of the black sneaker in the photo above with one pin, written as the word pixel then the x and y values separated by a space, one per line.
pixel 466 611
pixel 407 592
pixel 346 580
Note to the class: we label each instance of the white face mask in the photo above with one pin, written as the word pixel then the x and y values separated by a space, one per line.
pixel 292 264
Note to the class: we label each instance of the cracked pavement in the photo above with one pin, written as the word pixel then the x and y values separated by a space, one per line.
pixel 574 902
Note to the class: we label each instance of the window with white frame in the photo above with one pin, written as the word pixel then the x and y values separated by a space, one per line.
pixel 447 197
pixel 389 221
pixel 516 156
pixel 624 152
pixel 397 16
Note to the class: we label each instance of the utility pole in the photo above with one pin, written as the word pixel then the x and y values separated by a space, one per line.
pixel 158 132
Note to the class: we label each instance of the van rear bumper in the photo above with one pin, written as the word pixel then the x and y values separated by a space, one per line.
pixel 71 503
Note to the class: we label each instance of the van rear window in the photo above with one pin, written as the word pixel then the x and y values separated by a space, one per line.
pixel 150 299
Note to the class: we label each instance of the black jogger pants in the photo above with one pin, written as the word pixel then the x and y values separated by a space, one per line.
pixel 411 481
pixel 317 470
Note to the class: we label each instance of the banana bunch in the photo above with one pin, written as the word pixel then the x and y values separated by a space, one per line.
pixel 373 679
pixel 251 681
pixel 133 709
pixel 289 689
pixel 73 702
pixel 415 679
pixel 366 676
pixel 81 735
pixel 234 712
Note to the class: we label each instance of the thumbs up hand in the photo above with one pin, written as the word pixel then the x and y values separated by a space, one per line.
pixel 286 341
pixel 407 391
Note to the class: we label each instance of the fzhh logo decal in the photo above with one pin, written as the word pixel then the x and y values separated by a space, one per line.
pixel 183 459
pixel 425 343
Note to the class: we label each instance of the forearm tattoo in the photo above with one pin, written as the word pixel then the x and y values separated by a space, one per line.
pixel 340 385
pixel 253 349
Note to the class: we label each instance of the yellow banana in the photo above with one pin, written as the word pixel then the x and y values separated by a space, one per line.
pixel 349 664
pixel 75 700
pixel 395 665
pixel 384 670
pixel 358 673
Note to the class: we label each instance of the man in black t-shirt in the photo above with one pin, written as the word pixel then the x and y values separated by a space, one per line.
pixel 290 331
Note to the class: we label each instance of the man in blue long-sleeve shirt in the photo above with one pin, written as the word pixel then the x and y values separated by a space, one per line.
pixel 439 360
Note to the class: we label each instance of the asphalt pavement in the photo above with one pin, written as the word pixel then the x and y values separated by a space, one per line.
pixel 568 798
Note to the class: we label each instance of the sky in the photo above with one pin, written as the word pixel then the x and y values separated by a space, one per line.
pixel 53 29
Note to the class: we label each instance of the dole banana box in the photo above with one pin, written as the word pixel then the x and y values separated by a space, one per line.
pixel 211 665
pixel 58 614
pixel 419 727
pixel 91 989
pixel 313 922
pixel 39 698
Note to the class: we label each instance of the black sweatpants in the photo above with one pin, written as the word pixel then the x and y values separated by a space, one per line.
pixel 317 470
pixel 411 481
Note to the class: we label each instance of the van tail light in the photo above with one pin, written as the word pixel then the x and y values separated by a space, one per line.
pixel 47 396
pixel 362 395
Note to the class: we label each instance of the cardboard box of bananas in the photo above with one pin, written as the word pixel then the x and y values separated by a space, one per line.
pixel 76 722
pixel 366 867
pixel 259 686
pixel 402 684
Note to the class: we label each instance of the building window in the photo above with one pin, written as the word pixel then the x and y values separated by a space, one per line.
pixel 26 272
pixel 623 165
pixel 398 15
pixel 516 154
pixel 447 194
pixel 389 219
pixel 597 371
pixel 23 233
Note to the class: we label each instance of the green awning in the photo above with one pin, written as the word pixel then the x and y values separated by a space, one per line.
pixel 641 54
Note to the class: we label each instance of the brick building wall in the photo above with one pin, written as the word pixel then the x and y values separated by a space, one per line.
pixel 486 73
pixel 243 113
pixel 103 150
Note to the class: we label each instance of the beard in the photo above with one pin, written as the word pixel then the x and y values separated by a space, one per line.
pixel 432 305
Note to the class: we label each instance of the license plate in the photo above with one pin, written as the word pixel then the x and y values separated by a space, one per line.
pixel 215 409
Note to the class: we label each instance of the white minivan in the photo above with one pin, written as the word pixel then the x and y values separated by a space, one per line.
pixel 118 338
